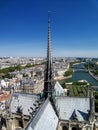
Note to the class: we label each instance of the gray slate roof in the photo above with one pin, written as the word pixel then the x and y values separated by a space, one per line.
pixel 45 119
pixel 58 89
pixel 25 101
pixel 68 107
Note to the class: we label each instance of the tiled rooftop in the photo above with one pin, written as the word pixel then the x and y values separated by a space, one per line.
pixel 67 105
pixel 45 119
pixel 25 101
pixel 4 97
pixel 58 89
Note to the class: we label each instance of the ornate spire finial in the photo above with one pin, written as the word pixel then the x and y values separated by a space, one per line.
pixel 49 13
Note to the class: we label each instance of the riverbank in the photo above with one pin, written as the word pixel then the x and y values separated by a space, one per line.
pixel 95 77
pixel 63 77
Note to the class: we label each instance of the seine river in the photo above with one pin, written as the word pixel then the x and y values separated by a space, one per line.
pixel 81 75
pixel 78 75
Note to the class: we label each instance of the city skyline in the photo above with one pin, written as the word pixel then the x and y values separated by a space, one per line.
pixel 74 28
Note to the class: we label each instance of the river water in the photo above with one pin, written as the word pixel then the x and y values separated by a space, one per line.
pixel 78 75
pixel 82 75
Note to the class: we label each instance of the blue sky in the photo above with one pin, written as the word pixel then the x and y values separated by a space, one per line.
pixel 74 27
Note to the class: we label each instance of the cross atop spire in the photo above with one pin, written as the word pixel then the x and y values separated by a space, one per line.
pixel 48 79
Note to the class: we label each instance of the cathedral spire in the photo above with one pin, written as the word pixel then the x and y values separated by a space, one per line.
pixel 48 79
pixel 49 58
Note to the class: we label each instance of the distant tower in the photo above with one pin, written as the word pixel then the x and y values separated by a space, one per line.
pixel 48 76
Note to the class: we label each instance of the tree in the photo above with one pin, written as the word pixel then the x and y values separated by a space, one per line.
pixel 68 73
